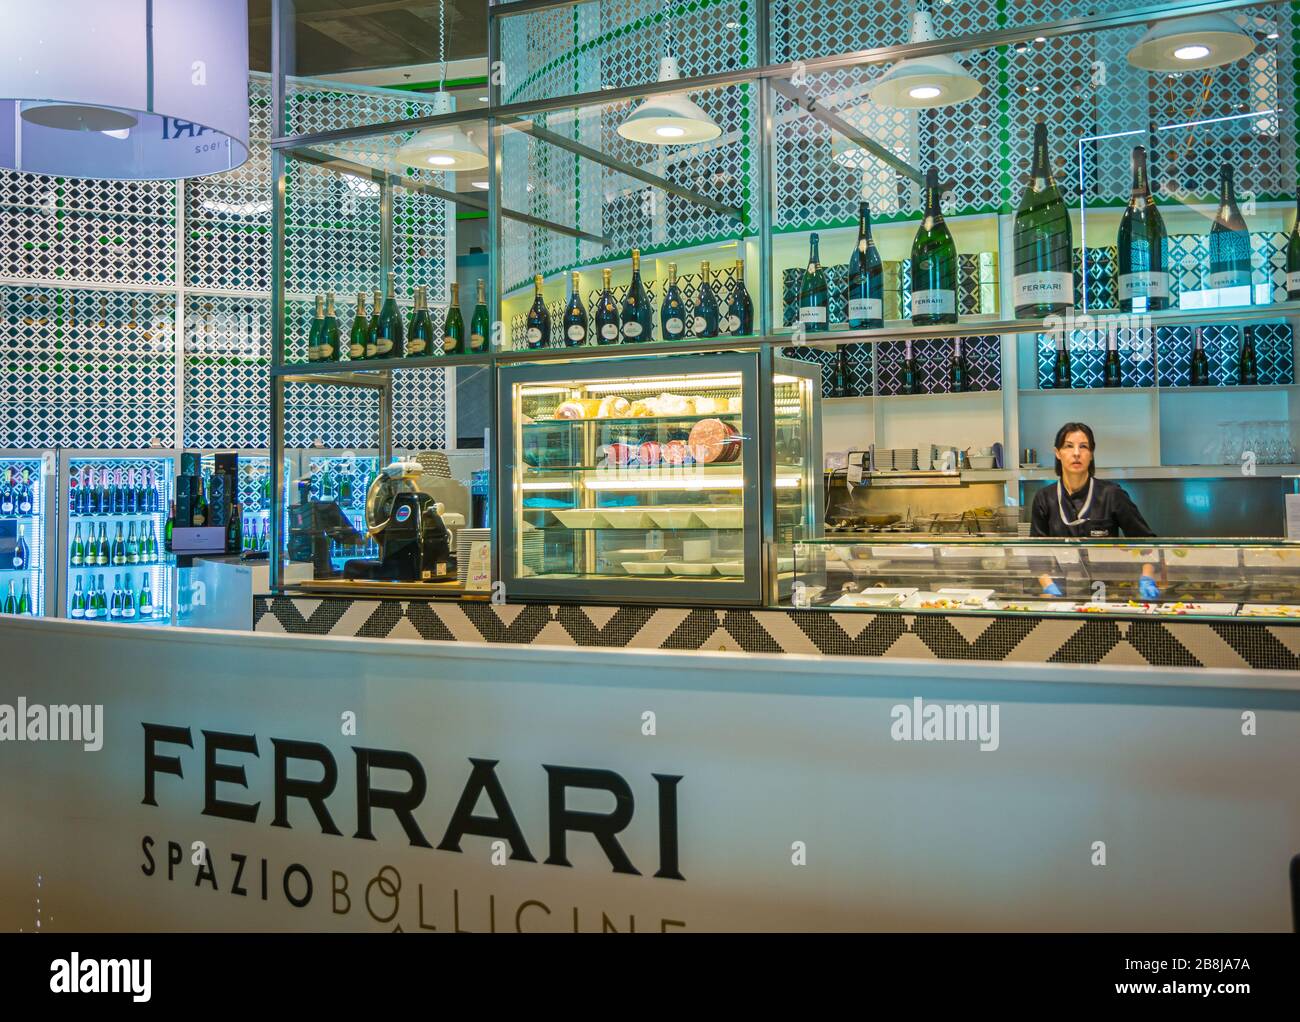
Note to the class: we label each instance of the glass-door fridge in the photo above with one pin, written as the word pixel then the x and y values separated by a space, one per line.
pixel 28 527
pixel 113 511
pixel 253 496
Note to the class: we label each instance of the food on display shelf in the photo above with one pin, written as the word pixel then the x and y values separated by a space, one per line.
pixel 1269 610
pixel 613 408
pixel 665 405
pixel 711 441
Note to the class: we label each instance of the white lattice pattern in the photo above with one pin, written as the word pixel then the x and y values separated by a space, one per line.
pixel 227 354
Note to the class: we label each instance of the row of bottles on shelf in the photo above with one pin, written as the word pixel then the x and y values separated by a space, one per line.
pixel 632 320
pixel 20 603
pixel 103 491
pixel 256 534
pixel 96 603
pixel 17 494
pixel 367 549
pixel 1044 255
pixel 331 486
pixel 382 335
pixel 1198 366
pixel 128 548
pixel 959 378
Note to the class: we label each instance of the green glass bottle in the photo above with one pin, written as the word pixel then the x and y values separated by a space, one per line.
pixel 1198 372
pixel 419 340
pixel 814 296
pixel 77 609
pixel 1230 262
pixel 10 605
pixel 25 600
pixel 313 336
pixel 934 263
pixel 356 342
pixel 1044 246
pixel 77 555
pixel 538 324
pixel 1143 275
pixel 328 347
pixel 1247 365
pixel 453 327
pixel 145 599
pixel 372 330
pixel 480 327
pixel 389 342
pixel 132 547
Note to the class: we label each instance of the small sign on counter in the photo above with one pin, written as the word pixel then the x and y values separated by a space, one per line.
pixel 478 578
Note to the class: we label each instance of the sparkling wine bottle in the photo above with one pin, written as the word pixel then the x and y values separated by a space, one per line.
pixel 328 348
pixel 389 342
pixel 866 303
pixel 705 321
pixel 814 296
pixel 1247 367
pixel 313 335
pixel 958 370
pixel 1044 278
pixel 419 336
pixel 1199 370
pixel 77 609
pixel 1229 240
pixel 575 317
pixel 606 312
pixel 1112 374
pixel 372 329
pixel 1062 376
pixel 934 263
pixel 1143 276
pixel 911 377
pixel 539 318
pixel 1293 258
pixel 635 318
pixel 672 314
pixel 739 314
pixel 360 328
pixel 480 327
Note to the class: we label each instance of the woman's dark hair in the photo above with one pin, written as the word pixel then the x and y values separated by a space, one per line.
pixel 1086 430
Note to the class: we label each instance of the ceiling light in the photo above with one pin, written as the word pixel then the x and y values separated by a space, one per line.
pixel 446 148
pixel 125 97
pixel 919 82
pixel 673 116
pixel 1198 42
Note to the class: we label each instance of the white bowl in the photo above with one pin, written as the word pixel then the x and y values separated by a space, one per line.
pixel 646 568
pixel 981 461
pixel 690 568
pixel 581 518
pixel 627 517
pixel 672 517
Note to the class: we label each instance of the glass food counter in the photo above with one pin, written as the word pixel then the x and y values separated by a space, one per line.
pixel 1185 577
pixel 660 479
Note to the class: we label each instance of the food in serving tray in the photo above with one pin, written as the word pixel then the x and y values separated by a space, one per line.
pixel 1276 610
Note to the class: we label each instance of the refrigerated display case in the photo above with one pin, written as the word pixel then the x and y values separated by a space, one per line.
pixel 28 530
pixel 253 496
pixel 113 511
pixel 1213 578
pixel 676 478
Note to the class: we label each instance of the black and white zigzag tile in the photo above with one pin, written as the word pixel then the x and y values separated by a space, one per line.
pixel 1012 638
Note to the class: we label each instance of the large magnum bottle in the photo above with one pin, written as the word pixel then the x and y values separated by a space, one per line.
pixel 453 327
pixel 672 314
pixel 419 335
pixel 388 341
pixel 705 321
pixel 740 311
pixel 635 319
pixel 372 330
pixel 934 263
pixel 1143 278
pixel 1293 258
pixel 814 297
pixel 1062 376
pixel 539 319
pixel 575 317
pixel 606 312
pixel 480 327
pixel 329 349
pixel 1044 280
pixel 1229 239
pixel 360 328
pixel 866 281
pixel 313 336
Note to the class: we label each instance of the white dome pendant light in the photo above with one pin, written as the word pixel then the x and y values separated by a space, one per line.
pixel 920 82
pixel 1196 43
pixel 671 118
pixel 442 149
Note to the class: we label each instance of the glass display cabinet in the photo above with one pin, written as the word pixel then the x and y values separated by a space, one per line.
pixel 27 531
pixel 657 479
pixel 1184 577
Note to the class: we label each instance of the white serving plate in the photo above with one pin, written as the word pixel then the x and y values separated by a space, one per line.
pixel 672 517
pixel 732 569
pixel 581 518
pixel 646 568
pixel 874 598
pixel 690 567
pixel 721 517
pixel 1278 610
pixel 628 517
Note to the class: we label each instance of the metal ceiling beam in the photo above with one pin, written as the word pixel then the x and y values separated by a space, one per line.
pixel 807 101
pixel 632 171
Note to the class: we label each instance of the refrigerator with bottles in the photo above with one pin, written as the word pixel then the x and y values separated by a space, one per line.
pixel 113 512
pixel 28 533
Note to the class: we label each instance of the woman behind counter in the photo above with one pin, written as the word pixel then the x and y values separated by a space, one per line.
pixel 1079 505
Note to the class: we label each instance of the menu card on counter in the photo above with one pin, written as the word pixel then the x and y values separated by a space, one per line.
pixel 478 578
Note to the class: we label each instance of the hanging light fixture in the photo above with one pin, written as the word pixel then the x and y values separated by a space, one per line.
pixel 1191 44
pixel 670 119
pixel 920 82
pixel 442 149
pixel 126 91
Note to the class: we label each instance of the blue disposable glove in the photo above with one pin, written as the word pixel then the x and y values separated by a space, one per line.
pixel 1052 589
pixel 1147 588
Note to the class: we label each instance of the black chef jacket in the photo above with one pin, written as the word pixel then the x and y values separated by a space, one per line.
pixel 1111 510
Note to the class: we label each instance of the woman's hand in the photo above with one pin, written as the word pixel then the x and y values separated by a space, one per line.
pixel 1147 587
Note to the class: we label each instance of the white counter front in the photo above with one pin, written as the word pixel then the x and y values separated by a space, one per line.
pixel 474 787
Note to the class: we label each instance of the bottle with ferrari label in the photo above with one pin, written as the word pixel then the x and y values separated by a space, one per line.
pixel 934 263
pixel 1143 275
pixel 866 280
pixel 1044 277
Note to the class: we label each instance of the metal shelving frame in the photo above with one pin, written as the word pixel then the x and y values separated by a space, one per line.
pixel 771 79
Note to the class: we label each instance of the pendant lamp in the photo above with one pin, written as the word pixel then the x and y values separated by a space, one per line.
pixel 132 89
pixel 1191 44
pixel 669 119
pixel 920 82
